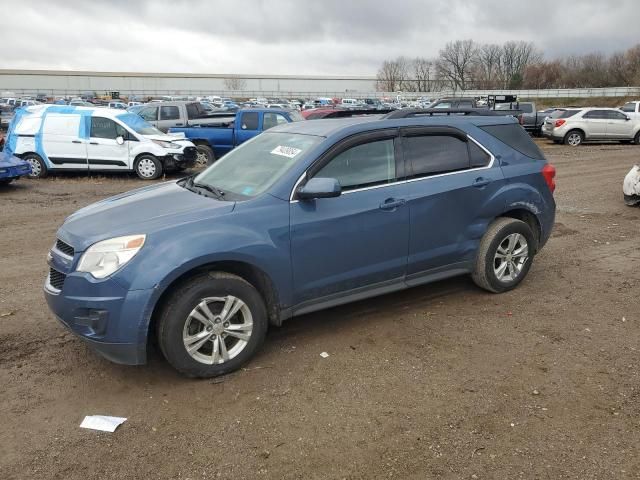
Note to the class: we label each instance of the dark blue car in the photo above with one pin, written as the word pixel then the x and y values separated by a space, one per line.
pixel 303 217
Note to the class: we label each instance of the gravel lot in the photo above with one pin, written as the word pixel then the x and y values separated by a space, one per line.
pixel 441 381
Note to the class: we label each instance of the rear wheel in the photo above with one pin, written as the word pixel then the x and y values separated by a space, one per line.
pixel 38 167
pixel 574 138
pixel 204 156
pixel 148 167
pixel 5 181
pixel 212 325
pixel 505 255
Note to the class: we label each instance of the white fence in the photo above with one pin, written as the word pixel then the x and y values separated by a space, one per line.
pixel 547 93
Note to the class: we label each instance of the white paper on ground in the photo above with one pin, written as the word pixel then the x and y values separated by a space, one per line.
pixel 102 422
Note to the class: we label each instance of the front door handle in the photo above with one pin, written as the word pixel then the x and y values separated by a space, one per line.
pixel 93 143
pixel 76 141
pixel 481 182
pixel 392 203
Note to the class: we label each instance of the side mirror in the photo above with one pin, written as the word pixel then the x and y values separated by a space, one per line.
pixel 320 188
pixel 628 118
pixel 120 140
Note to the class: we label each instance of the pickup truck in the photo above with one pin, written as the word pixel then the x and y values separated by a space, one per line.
pixel 632 109
pixel 165 115
pixel 214 140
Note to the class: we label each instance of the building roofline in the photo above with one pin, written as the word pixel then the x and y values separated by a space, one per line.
pixel 248 76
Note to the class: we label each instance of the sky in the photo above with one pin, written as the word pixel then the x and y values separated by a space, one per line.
pixel 297 37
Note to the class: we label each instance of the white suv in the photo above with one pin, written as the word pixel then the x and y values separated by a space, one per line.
pixel 576 126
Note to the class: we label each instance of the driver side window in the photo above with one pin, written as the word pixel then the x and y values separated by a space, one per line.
pixel 364 165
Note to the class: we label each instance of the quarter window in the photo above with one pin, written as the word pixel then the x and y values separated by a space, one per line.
pixel 433 154
pixel 362 166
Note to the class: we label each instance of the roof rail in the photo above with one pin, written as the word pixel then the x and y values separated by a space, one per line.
pixel 420 112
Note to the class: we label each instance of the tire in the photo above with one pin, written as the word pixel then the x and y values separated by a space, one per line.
pixel 636 139
pixel 486 272
pixel 205 156
pixel 5 181
pixel 574 138
pixel 38 167
pixel 148 167
pixel 184 320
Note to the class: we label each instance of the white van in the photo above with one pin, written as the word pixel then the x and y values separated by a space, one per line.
pixel 58 137
pixel 350 102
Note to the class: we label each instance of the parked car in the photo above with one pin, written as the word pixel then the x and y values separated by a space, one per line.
pixel 306 216
pixel 117 105
pixel 166 115
pixel 80 103
pixel 53 138
pixel 133 104
pixel 632 109
pixel 11 167
pixel 215 140
pixel 631 186
pixel 575 126
pixel 456 102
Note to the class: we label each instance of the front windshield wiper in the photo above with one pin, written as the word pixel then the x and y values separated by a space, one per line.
pixel 190 184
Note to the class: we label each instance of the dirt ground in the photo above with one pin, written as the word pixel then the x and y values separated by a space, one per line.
pixel 443 381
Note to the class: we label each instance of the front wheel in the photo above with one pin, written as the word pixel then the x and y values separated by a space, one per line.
pixel 148 167
pixel 204 156
pixel 212 325
pixel 504 255
pixel 636 139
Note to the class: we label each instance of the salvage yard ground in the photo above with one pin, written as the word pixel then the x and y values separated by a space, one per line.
pixel 441 381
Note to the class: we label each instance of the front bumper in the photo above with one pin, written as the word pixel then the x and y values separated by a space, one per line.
pixel 112 320
pixel 186 159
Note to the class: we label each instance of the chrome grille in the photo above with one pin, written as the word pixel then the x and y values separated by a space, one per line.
pixel 56 278
pixel 64 247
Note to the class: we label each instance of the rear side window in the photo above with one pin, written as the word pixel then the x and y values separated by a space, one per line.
pixel 433 154
pixel 195 110
pixel 515 137
pixel 596 115
pixel 250 121
pixel 169 113
pixel 526 108
pixel 564 113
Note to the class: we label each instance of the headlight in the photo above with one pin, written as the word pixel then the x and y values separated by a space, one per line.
pixel 164 144
pixel 103 258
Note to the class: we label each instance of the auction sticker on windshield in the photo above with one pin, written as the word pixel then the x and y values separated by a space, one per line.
pixel 288 152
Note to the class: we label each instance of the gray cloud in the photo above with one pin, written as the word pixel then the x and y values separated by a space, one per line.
pixel 293 36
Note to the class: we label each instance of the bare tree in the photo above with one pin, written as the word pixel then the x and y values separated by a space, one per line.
pixel 456 62
pixel 488 66
pixel 514 59
pixel 422 72
pixel 392 75
pixel 235 83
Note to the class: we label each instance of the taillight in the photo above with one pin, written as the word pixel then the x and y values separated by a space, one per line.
pixel 549 174
pixel 559 123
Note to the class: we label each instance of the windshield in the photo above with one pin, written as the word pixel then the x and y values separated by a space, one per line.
pixel 257 164
pixel 138 125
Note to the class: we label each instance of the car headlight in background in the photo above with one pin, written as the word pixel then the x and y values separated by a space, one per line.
pixel 104 258
pixel 164 144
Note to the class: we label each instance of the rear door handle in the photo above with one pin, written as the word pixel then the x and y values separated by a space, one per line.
pixel 481 182
pixel 392 203
pixel 178 124
pixel 93 143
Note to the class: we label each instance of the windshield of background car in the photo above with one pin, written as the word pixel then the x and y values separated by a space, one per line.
pixel 138 125
pixel 254 166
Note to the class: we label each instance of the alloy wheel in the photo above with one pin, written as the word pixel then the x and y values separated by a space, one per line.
pixel 510 257
pixel 217 329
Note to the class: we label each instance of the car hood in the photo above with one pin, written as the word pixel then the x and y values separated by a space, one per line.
pixel 145 210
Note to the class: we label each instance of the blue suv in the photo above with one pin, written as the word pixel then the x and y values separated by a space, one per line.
pixel 306 216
